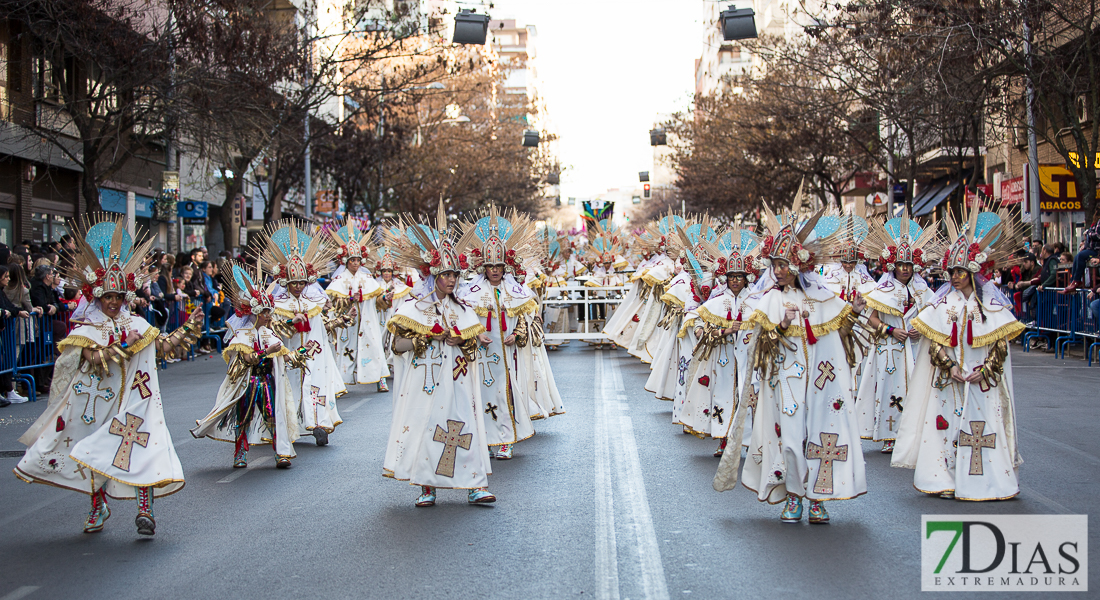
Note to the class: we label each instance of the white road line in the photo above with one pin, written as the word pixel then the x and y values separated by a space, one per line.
pixel 241 472
pixel 357 405
pixel 607 558
pixel 21 592
pixel 1085 455
pixel 615 437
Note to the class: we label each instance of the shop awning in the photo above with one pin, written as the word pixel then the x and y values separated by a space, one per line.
pixel 930 201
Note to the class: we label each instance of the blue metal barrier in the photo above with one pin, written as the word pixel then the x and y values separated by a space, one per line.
pixel 36 351
pixel 209 333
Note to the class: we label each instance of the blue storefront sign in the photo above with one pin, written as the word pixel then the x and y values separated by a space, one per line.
pixel 115 201
pixel 191 209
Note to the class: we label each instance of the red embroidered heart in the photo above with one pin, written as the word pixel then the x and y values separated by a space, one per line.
pixel 941 423
pixel 60 424
pixel 635 318
pixel 705 380
pixel 778 431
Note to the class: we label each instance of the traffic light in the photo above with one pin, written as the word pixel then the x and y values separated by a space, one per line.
pixel 645 191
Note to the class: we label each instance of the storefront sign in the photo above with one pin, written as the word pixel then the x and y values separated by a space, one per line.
pixel 192 209
pixel 1058 189
pixel 1012 191
pixel 984 191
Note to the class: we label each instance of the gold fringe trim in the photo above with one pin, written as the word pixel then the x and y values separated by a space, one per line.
pixel 713 319
pixel 591 283
pixel 402 293
pixel 334 294
pixel 1005 332
pixel 249 351
pixel 77 341
pixel 406 323
pixel 882 308
pixel 523 309
pixel 758 318
pixel 146 339
pixel 927 331
pixel 668 298
pixel 638 275
pixel 649 279
pixel 313 312
pixel 619 265
pixel 471 331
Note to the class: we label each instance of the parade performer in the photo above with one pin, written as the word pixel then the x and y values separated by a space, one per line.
pixel 848 276
pixel 252 406
pixel 624 322
pixel 899 295
pixel 358 349
pixel 643 342
pixel 299 259
pixel 394 291
pixel 805 440
pixel 604 254
pixel 958 429
pixel 687 291
pixel 437 436
pixel 721 355
pixel 497 250
pixel 554 257
pixel 104 432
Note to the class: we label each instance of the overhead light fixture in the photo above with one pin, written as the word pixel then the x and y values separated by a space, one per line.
pixel 643 176
pixel 470 28
pixel 657 137
pixel 530 138
pixel 737 23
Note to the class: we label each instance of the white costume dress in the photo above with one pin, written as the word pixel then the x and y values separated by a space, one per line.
pixel 253 340
pixel 360 356
pixel 504 371
pixel 961 437
pixel 672 361
pixel 643 344
pixel 108 429
pixel 805 440
pixel 314 389
pixel 437 436
pixel 885 382
pixel 720 375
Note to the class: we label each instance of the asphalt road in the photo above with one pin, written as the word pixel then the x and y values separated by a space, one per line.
pixel 608 501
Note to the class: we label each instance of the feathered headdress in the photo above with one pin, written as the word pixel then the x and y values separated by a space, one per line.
pixel 385 260
pixel 107 260
pixel 657 234
pixel 604 242
pixel 982 239
pixel 790 241
pixel 850 232
pixel 352 242
pixel 901 240
pixel 695 258
pixel 296 255
pixel 499 240
pixel 244 291
pixel 429 250
pixel 734 253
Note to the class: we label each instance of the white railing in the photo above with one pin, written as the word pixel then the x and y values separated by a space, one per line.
pixel 574 295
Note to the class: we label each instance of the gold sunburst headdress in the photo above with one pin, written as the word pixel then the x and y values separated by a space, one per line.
pixel 297 256
pixel 499 240
pixel 658 234
pixel 431 251
pixel 108 259
pixel 982 239
pixel 902 241
pixel 735 252
pixel 244 288
pixel 603 243
pixel 352 242
pixel 791 241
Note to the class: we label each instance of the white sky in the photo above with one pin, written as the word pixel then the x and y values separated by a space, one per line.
pixel 608 68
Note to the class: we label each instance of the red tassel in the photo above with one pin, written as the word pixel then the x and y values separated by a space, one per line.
pixel 810 337
pixel 457 332
pixel 969 332
pixel 489 321
pixel 503 323
pixel 954 335
pixel 408 280
pixel 739 314
pixel 729 315
pixel 842 293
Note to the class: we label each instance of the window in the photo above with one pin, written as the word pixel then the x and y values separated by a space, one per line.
pixel 48 227
pixel 7 227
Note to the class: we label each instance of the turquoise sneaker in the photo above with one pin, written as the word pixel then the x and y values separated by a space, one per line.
pixel 481 496
pixel 818 514
pixel 427 497
pixel 99 513
pixel 792 512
